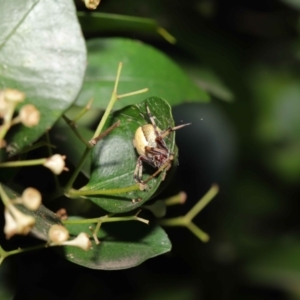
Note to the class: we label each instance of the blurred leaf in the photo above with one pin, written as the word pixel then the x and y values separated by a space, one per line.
pixel 121 246
pixel 44 217
pixel 249 221
pixel 211 83
pixel 277 106
pixel 278 267
pixel 292 3
pixel 143 67
pixel 114 158
pixel 42 53
pixel 104 23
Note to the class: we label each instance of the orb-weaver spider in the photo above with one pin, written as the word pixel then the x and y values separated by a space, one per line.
pixel 152 149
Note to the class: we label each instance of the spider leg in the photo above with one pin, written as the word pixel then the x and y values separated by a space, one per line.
pixel 152 119
pixel 155 150
pixel 138 172
pixel 157 156
pixel 165 167
pixel 166 132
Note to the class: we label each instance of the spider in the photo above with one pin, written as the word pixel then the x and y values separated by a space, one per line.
pixel 152 149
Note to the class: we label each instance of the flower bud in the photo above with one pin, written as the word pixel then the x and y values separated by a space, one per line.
pixel 55 163
pixel 82 241
pixel 91 4
pixel 16 222
pixel 31 198
pixel 15 96
pixel 11 226
pixel 58 234
pixel 29 115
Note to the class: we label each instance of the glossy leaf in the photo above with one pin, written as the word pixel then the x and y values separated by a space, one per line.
pixel 144 67
pixel 114 158
pixel 121 246
pixel 42 53
pixel 44 217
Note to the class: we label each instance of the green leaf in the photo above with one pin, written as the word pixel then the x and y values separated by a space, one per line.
pixel 144 67
pixel 95 22
pixel 42 53
pixel 121 246
pixel 114 158
pixel 44 217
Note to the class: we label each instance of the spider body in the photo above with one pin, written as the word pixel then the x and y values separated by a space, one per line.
pixel 152 149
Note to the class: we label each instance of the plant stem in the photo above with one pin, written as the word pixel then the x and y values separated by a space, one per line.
pixel 199 233
pixel 186 220
pixel 202 202
pixel 75 130
pixel 165 34
pixel 106 219
pixel 103 134
pixel 180 198
pixel 133 93
pixel 117 191
pixel 4 254
pixel 23 163
pixel 5 199
pixel 76 171
pixel 113 99
pixel 83 111
pixel 37 145
pixel 97 132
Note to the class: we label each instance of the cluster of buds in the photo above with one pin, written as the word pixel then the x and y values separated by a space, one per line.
pixel 28 115
pixel 16 222
pixel 59 235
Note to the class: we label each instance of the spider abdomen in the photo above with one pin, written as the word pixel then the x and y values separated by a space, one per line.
pixel 145 136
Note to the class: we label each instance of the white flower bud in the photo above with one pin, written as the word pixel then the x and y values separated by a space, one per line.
pixel 58 234
pixel 82 241
pixel 31 198
pixel 55 163
pixel 29 115
pixel 16 222
pixel 11 226
pixel 15 96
